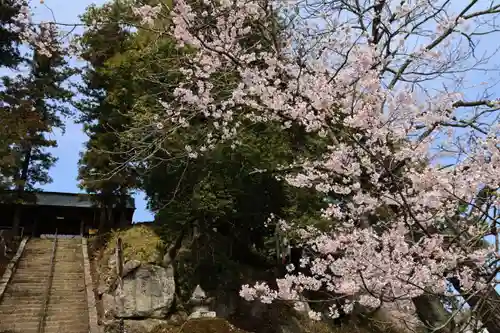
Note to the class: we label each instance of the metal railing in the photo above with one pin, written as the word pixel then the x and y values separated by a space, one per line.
pixel 45 304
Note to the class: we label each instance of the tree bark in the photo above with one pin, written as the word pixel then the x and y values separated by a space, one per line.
pixel 486 305
pixel 123 218
pixel 105 219
pixel 387 319
pixel 20 187
pixel 432 313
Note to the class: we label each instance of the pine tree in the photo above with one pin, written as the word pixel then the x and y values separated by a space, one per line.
pixel 36 104
pixel 9 59
pixel 9 39
pixel 100 171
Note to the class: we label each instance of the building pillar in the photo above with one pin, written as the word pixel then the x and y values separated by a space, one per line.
pixel 16 221
pixel 82 227
pixel 123 219
pixel 35 227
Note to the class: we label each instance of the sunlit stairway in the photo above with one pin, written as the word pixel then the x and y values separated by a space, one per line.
pixel 22 304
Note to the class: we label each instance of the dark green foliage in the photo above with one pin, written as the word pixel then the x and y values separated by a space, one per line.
pixel 218 203
pixel 33 105
pixel 103 170
pixel 9 40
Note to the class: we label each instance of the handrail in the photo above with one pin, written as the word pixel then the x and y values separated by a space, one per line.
pixel 45 304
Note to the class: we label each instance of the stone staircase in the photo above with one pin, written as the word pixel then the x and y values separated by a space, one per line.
pixel 22 302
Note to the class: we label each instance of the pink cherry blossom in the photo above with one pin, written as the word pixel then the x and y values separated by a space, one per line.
pixel 338 82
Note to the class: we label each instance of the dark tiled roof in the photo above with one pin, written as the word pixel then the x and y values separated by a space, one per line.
pixel 70 200
pixel 62 199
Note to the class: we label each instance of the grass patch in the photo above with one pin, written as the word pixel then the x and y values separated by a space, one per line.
pixel 215 325
pixel 139 243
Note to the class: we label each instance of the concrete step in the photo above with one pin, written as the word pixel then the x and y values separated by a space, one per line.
pixel 21 306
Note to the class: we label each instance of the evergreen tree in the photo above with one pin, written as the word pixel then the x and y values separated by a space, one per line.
pixel 102 168
pixel 9 59
pixel 9 39
pixel 35 104
pixel 219 196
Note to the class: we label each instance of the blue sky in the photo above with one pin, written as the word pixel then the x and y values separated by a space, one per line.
pixel 71 143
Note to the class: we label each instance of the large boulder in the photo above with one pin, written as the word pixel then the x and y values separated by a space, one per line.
pixel 148 291
pixel 146 285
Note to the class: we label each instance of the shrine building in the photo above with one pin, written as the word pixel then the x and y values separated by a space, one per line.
pixel 69 213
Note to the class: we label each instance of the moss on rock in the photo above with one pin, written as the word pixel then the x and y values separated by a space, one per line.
pixel 139 243
pixel 208 325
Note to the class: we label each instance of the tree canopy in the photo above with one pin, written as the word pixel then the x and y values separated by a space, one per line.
pixel 255 126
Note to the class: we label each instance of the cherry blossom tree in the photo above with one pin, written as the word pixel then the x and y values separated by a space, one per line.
pixel 413 139
pixel 42 36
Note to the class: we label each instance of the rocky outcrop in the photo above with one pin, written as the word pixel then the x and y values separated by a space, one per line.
pixel 142 298
pixel 144 290
pixel 205 325
pixel 134 283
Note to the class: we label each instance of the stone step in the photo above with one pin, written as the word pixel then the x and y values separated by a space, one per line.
pixel 36 282
pixel 33 309
pixel 21 306
pixel 60 311
pixel 23 317
pixel 16 284
pixel 19 326
pixel 20 294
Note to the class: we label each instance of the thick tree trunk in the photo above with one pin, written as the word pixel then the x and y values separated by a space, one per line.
pixel 21 179
pixel 486 305
pixel 102 221
pixel 390 319
pixel 102 229
pixel 432 313
pixel 105 219
pixel 123 209
pixel 123 219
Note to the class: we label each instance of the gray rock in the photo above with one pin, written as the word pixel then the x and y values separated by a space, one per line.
pixel 109 306
pixel 201 313
pixel 178 318
pixel 135 326
pixel 144 326
pixel 129 266
pixel 148 292
pixel 257 309
pixel 102 289
pixel 112 262
pixel 200 304
pixel 293 326
pixel 199 295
